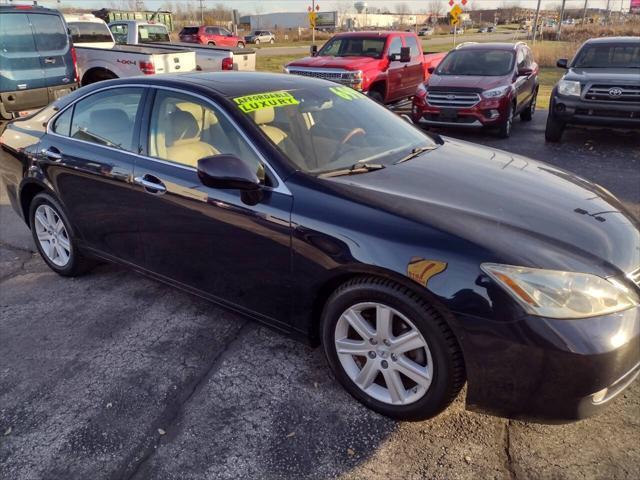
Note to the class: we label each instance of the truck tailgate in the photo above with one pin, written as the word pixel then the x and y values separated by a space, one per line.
pixel 175 61
pixel 244 59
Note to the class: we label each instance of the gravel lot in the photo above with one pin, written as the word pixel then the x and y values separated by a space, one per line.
pixel 114 376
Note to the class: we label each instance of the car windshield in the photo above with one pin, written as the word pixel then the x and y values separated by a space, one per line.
pixel 153 33
pixel 608 56
pixel 353 47
pixel 89 32
pixel 331 128
pixel 477 62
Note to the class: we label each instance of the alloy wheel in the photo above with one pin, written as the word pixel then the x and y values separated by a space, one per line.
pixel 52 235
pixel 383 353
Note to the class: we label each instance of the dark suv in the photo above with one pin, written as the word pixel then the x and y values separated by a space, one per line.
pixel 479 85
pixel 601 87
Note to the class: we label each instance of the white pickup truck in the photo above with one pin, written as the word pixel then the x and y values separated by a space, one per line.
pixel 99 58
pixel 209 58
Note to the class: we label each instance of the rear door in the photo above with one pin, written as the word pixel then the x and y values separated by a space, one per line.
pixel 414 70
pixel 395 70
pixel 20 61
pixel 54 47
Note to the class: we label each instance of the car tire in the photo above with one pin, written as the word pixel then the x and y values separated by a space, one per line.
pixel 504 130
pixel 527 114
pixel 377 96
pixel 554 129
pixel 213 44
pixel 272 41
pixel 4 115
pixel 436 359
pixel 257 41
pixel 240 45
pixel 54 237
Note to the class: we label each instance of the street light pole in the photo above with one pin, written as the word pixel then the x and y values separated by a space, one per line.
pixel 201 12
pixel 535 22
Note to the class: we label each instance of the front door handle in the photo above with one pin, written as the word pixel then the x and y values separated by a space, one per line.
pixel 151 184
pixel 52 153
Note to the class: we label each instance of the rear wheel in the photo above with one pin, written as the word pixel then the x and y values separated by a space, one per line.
pixel 257 41
pixel 213 44
pixel 272 41
pixel 54 238
pixel 240 45
pixel 527 114
pixel 391 350
pixel 4 115
pixel 554 128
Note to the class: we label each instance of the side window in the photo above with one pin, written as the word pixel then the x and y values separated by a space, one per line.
pixel 224 31
pixel 412 43
pixel 332 48
pixel 107 118
pixel 184 129
pixel 395 46
pixel 16 34
pixel 62 125
pixel 50 32
pixel 119 33
pixel 211 31
pixel 520 58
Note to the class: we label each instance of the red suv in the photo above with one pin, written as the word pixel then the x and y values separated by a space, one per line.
pixel 210 36
pixel 480 85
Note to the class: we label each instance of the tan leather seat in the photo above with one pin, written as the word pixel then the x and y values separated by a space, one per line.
pixel 183 140
pixel 263 118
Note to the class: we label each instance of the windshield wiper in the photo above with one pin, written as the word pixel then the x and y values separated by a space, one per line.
pixel 354 169
pixel 416 152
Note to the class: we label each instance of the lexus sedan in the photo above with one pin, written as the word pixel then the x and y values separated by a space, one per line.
pixel 418 262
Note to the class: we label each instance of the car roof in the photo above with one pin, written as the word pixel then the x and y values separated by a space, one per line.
pixel 613 40
pixel 27 8
pixel 228 84
pixel 490 46
pixel 371 33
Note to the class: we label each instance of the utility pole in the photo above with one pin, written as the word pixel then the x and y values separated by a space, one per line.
pixel 561 18
pixel 608 14
pixel 313 27
pixel 584 13
pixel 201 12
pixel 535 22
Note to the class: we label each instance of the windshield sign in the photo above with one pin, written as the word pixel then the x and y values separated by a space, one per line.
pixel 494 63
pixel 332 128
pixel 353 47
pixel 608 56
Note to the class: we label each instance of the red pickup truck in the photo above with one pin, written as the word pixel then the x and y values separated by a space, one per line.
pixel 388 66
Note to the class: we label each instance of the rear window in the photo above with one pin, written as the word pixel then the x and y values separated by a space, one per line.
pixel 16 34
pixel 89 32
pixel 152 33
pixel 189 31
pixel 608 55
pixel 50 32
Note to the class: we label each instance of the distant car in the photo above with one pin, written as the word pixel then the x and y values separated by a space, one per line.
pixel 483 30
pixel 600 88
pixel 260 36
pixel 491 29
pixel 459 31
pixel 480 85
pixel 37 58
pixel 210 35
pixel 424 32
pixel 419 263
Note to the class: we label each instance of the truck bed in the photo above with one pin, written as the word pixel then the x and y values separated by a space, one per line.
pixel 141 49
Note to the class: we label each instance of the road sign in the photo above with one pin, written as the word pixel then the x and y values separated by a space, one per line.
pixel 312 19
pixel 451 3
pixel 454 14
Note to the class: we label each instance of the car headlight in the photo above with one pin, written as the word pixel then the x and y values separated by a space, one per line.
pixel 569 87
pixel 421 91
pixel 496 92
pixel 564 295
pixel 285 70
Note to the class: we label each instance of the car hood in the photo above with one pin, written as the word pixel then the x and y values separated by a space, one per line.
pixel 346 63
pixel 605 75
pixel 467 81
pixel 527 212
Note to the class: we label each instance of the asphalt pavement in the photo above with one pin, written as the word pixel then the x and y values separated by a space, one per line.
pixel 115 376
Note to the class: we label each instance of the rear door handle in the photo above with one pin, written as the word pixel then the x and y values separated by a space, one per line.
pixel 151 184
pixel 52 153
pixel 49 60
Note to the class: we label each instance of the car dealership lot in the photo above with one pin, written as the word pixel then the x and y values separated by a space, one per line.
pixel 115 376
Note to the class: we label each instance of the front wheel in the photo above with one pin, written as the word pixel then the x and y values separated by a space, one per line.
pixel 377 96
pixel 391 350
pixel 257 41
pixel 504 130
pixel 554 128
pixel 272 41
pixel 54 237
pixel 213 44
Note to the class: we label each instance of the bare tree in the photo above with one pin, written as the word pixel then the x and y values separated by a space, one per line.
pixel 402 9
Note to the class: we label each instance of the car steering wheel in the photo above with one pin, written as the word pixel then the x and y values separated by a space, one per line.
pixel 347 138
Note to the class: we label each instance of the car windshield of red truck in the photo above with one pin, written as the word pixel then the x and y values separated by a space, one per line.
pixel 477 63
pixel 608 56
pixel 353 47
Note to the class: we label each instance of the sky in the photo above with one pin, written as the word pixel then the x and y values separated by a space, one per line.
pixel 267 6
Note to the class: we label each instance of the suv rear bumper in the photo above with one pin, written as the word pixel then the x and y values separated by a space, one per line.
pixel 576 111
pixel 21 100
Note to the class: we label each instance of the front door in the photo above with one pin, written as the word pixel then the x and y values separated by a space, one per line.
pixel 414 70
pixel 395 70
pixel 90 157
pixel 214 240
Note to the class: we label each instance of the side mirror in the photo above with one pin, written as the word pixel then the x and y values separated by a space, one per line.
pixel 525 71
pixel 405 54
pixel 562 63
pixel 431 69
pixel 314 50
pixel 227 171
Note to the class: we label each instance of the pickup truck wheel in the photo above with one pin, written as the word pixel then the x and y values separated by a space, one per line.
pixel 527 114
pixel 504 131
pixel 554 128
pixel 377 96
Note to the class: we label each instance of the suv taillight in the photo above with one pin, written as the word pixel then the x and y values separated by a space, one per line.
pixel 227 63
pixel 147 68
pixel 75 64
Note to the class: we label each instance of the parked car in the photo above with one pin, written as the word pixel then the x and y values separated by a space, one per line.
pixel 601 87
pixel 208 35
pixel 458 30
pixel 480 85
pixel 37 59
pixel 260 36
pixel 483 30
pixel 209 58
pixel 426 32
pixel 99 58
pixel 491 29
pixel 387 66
pixel 417 262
